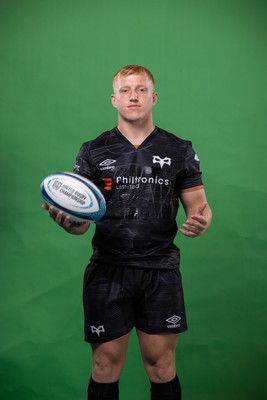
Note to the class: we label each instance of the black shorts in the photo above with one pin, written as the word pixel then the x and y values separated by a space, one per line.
pixel 117 298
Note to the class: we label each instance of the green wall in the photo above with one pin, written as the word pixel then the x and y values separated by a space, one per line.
pixel 209 61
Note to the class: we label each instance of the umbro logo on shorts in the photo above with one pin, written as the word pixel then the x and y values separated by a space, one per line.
pixel 173 321
pixel 98 329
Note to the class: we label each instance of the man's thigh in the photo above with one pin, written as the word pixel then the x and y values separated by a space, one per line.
pixel 154 347
pixel 109 358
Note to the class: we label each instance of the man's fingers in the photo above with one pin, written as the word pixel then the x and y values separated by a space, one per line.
pixel 200 219
pixel 59 218
pixel 188 233
pixel 67 222
pixel 194 226
pixel 51 212
pixel 197 229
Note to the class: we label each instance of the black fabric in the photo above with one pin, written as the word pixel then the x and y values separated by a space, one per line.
pixel 118 298
pixel 166 391
pixel 141 187
pixel 103 391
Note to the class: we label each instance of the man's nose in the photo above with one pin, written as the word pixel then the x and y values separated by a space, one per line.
pixel 133 95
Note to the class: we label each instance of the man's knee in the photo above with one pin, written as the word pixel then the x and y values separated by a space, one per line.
pixel 106 369
pixel 160 370
pixel 158 352
pixel 108 360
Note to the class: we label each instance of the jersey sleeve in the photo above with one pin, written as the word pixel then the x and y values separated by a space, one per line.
pixel 83 165
pixel 191 178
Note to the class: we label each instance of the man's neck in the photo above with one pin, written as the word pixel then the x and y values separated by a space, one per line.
pixel 134 132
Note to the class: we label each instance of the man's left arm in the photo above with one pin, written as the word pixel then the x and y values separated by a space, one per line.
pixel 198 213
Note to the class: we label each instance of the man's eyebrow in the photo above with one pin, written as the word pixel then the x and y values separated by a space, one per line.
pixel 129 86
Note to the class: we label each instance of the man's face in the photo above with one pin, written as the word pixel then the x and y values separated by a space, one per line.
pixel 134 97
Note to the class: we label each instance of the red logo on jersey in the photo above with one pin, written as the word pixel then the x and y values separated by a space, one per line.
pixel 108 183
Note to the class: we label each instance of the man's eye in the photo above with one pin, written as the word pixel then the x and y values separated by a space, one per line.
pixel 124 90
pixel 142 89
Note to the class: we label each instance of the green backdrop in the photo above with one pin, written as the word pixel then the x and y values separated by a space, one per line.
pixel 209 61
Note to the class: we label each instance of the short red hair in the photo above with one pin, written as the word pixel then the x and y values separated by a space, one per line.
pixel 133 70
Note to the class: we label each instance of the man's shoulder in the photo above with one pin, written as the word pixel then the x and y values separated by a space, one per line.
pixel 98 140
pixel 173 137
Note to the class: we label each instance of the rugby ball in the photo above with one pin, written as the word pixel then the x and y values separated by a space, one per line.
pixel 75 195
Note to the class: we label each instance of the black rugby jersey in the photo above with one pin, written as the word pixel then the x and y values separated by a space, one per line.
pixel 141 187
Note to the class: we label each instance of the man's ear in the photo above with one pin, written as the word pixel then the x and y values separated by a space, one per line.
pixel 155 98
pixel 113 100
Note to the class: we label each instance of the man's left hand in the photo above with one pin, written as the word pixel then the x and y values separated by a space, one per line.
pixel 196 224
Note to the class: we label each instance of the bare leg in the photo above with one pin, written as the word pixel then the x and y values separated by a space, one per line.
pixel 108 359
pixel 158 353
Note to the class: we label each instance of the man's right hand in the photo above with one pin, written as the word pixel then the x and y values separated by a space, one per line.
pixel 65 222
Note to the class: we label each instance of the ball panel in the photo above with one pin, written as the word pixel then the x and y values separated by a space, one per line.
pixel 71 193
pixel 74 195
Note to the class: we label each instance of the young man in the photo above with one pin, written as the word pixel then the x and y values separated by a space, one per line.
pixel 133 278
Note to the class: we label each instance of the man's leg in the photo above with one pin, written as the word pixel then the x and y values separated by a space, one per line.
pixel 158 353
pixel 108 362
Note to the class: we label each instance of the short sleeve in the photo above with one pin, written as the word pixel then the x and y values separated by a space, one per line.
pixel 191 178
pixel 83 165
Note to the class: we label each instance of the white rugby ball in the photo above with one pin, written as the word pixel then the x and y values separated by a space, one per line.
pixel 74 195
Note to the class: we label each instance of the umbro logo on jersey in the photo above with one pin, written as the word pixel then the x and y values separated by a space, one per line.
pixel 107 162
pixel 173 321
pixel 161 161
pixel 98 329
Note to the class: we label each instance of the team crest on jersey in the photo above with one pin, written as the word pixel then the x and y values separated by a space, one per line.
pixel 161 161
